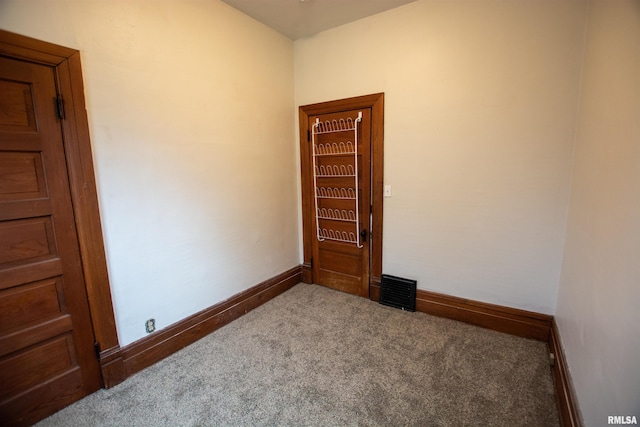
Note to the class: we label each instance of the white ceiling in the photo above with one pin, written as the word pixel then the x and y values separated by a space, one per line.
pixel 302 18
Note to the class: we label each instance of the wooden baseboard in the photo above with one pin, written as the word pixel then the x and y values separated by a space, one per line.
pixel 307 273
pixel 155 347
pixel 374 288
pixel 569 414
pixel 512 321
pixel 112 366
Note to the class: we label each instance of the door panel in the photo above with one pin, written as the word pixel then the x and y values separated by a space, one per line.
pixel 339 260
pixel 21 176
pixel 30 302
pixel 16 108
pixel 44 361
pixel 47 357
pixel 342 198
pixel 23 240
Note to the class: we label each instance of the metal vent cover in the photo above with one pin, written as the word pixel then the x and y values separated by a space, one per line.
pixel 398 292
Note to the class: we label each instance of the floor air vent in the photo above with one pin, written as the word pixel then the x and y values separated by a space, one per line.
pixel 398 292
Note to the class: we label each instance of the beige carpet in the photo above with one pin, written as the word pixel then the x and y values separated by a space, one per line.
pixel 317 357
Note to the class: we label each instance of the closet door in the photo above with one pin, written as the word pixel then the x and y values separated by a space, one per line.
pixel 47 355
pixel 330 197
pixel 340 160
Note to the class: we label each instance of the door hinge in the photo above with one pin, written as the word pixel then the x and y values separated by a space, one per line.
pixel 311 262
pixel 60 106
pixel 308 135
pixel 96 346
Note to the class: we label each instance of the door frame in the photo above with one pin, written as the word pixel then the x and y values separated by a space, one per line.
pixel 77 146
pixel 376 103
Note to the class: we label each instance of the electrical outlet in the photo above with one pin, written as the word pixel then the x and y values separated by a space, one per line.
pixel 150 325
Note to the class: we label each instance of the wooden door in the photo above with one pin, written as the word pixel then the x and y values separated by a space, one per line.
pixel 340 150
pixel 342 193
pixel 47 355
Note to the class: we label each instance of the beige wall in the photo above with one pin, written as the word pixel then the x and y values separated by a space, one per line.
pixel 190 106
pixel 479 117
pixel 599 297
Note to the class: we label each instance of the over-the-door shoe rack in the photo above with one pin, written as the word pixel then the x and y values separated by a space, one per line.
pixel 331 161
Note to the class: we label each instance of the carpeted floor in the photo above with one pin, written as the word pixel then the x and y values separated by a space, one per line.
pixel 314 356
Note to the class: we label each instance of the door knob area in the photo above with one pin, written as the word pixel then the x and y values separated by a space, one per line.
pixel 363 235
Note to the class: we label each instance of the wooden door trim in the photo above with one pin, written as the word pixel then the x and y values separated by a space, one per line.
pixel 376 103
pixel 77 144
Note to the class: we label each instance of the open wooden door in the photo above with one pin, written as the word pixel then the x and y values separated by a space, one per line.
pixel 341 159
pixel 51 251
pixel 47 356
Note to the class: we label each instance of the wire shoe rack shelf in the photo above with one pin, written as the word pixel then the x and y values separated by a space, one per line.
pixel 336 160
